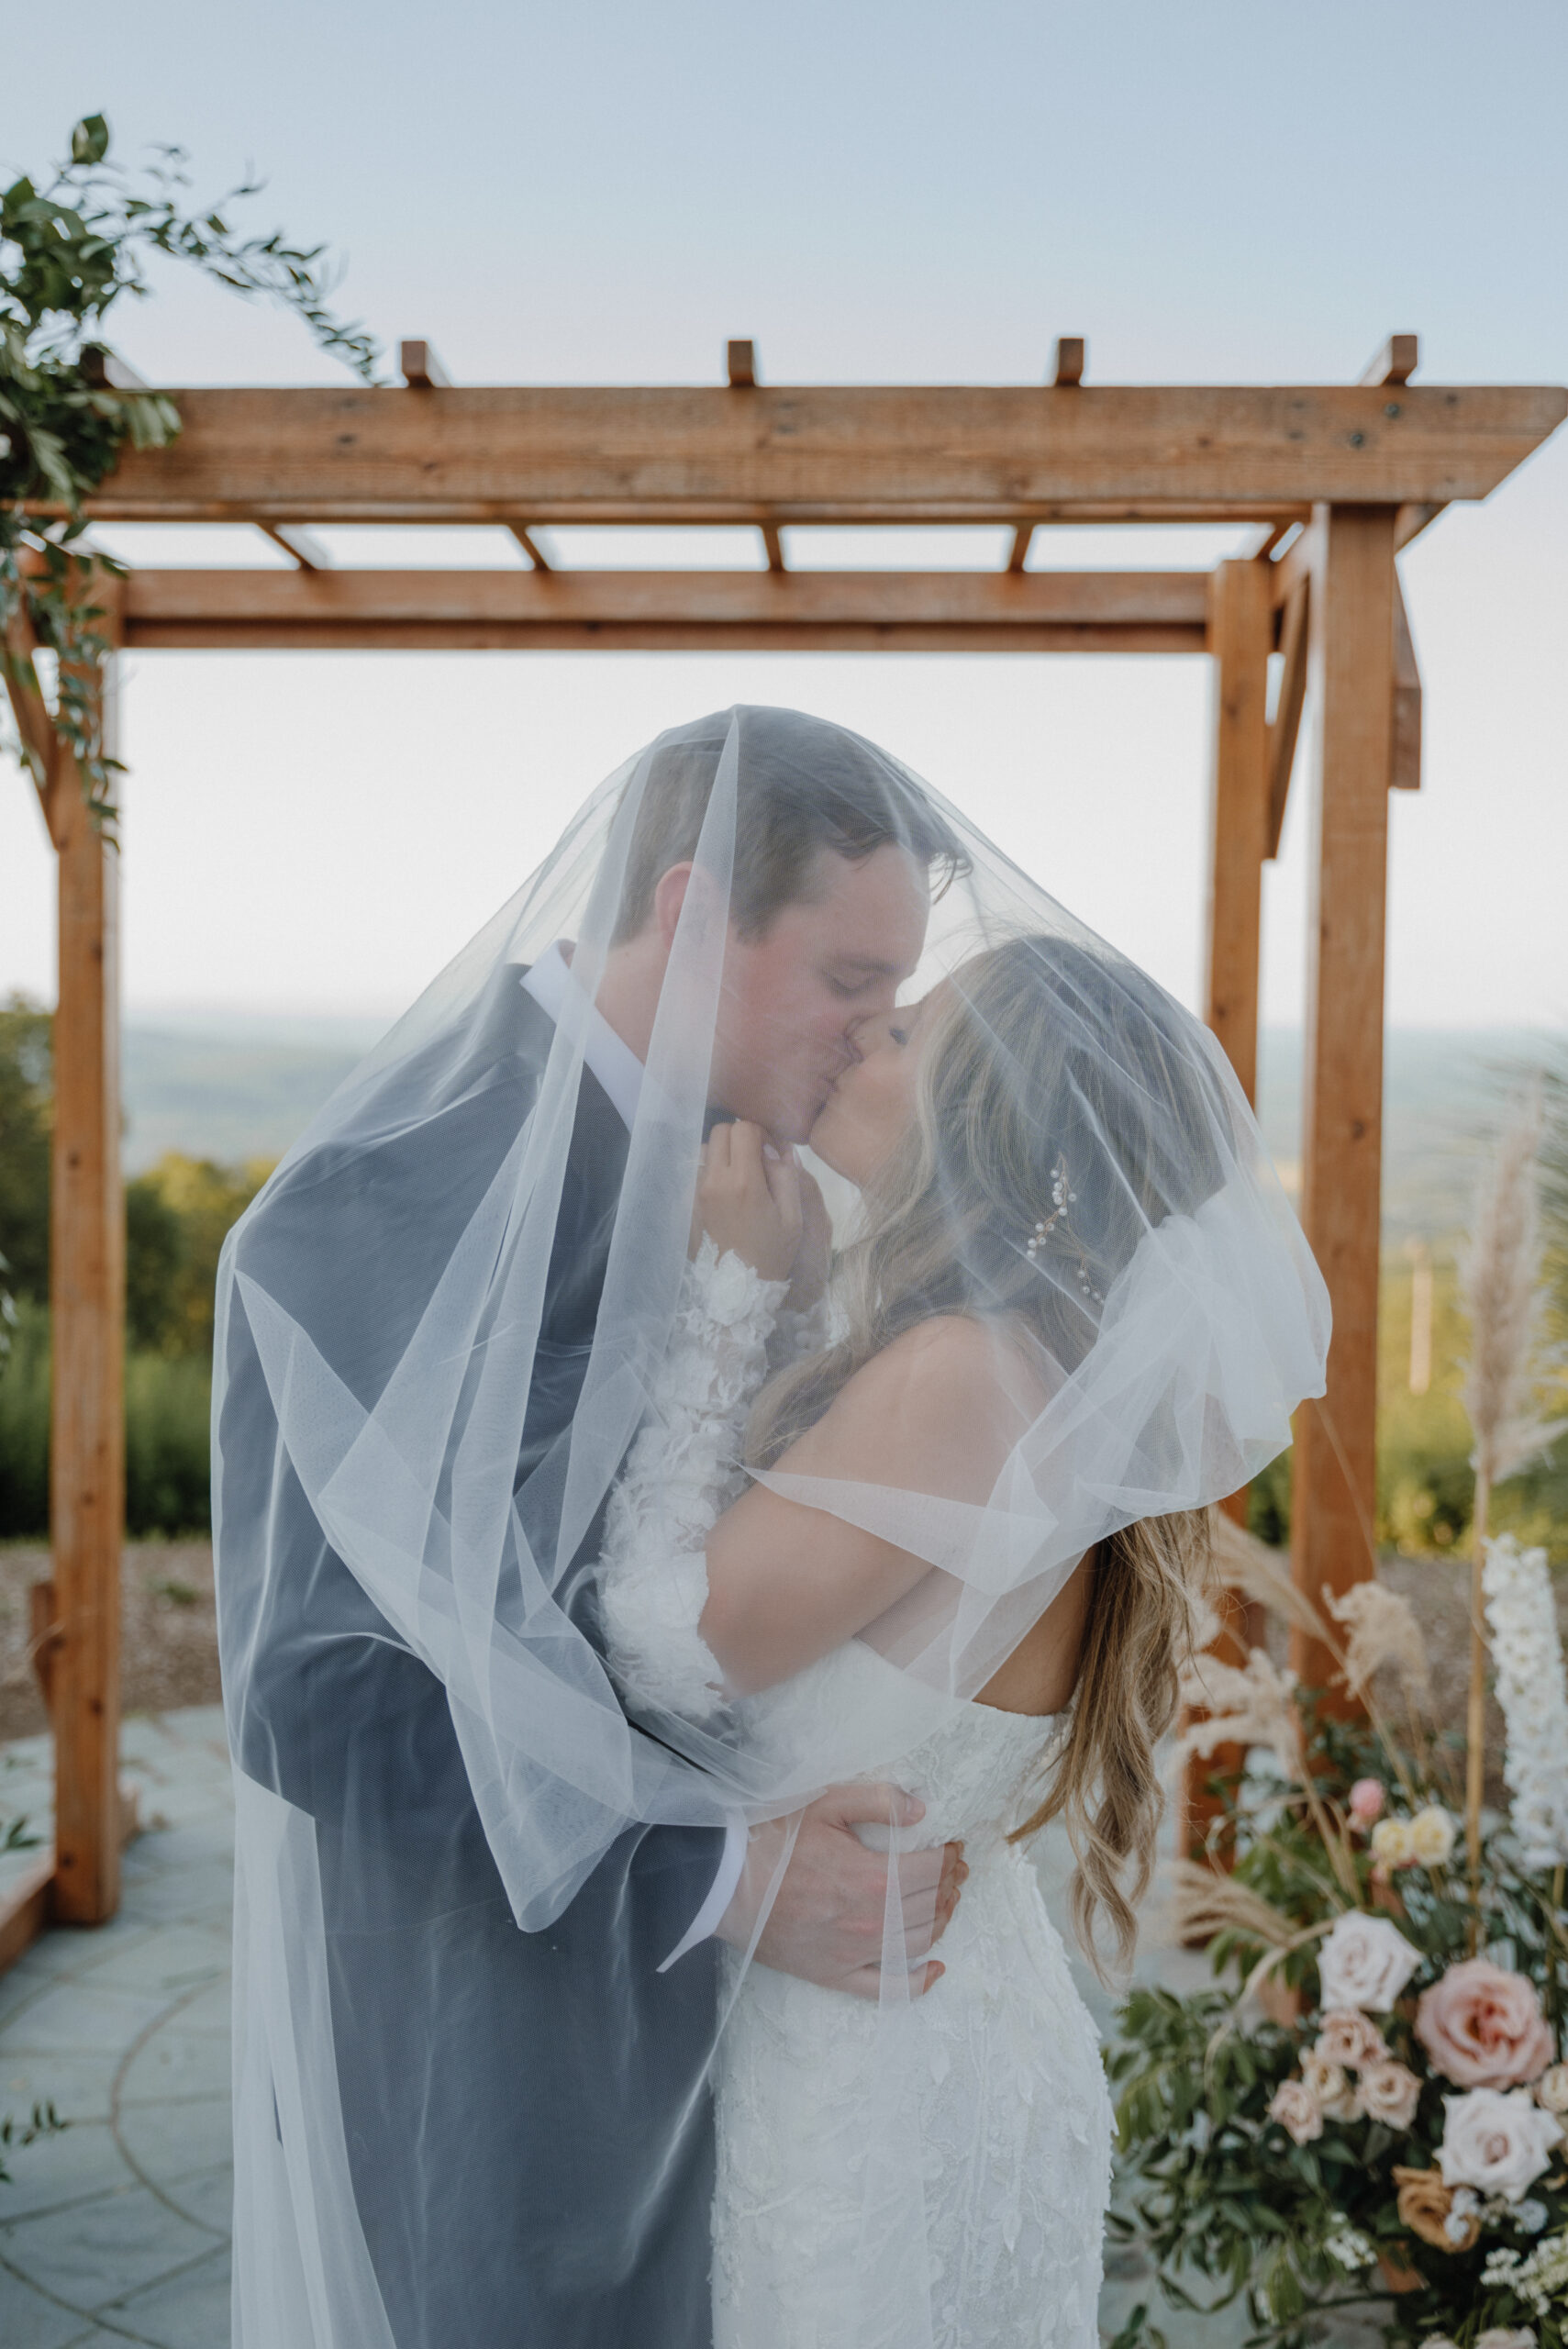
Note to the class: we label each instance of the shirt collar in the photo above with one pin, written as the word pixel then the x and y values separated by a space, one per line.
pixel 608 1056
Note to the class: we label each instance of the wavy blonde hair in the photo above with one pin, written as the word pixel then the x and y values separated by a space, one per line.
pixel 1044 1054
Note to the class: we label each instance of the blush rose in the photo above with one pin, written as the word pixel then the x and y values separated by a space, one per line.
pixel 1296 2109
pixel 1483 2028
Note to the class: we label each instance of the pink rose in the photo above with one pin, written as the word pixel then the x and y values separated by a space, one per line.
pixel 1350 2039
pixel 1295 2109
pixel 1366 1800
pixel 1483 2028
pixel 1390 2093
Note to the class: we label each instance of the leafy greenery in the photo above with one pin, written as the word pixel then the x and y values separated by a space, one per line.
pixel 44 2122
pixel 70 250
pixel 177 1216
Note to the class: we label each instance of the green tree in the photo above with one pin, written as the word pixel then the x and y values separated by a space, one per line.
pixel 26 1116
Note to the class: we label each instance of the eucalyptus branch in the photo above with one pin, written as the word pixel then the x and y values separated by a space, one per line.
pixel 68 250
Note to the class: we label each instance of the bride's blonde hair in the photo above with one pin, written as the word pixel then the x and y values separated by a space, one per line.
pixel 1044 1054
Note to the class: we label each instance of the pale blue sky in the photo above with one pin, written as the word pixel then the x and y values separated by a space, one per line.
pixel 875 192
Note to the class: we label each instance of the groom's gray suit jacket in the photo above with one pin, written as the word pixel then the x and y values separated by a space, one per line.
pixel 496 2084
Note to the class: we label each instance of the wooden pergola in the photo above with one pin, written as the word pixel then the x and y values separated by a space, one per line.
pixel 1337 480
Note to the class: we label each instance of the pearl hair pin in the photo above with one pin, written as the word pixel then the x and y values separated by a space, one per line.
pixel 1062 1196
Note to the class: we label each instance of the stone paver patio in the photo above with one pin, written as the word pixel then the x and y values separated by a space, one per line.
pixel 117 2228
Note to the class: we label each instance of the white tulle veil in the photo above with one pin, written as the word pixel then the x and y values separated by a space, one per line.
pixel 385 1330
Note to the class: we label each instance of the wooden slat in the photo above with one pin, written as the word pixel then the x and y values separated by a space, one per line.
pixel 1396 362
pixel 1405 763
pixel 1065 611
pixel 87 1316
pixel 24 1910
pixel 529 545
pixel 106 370
pixel 32 717
pixel 1287 722
pixel 1296 563
pixel 740 364
pixel 297 540
pixel 420 369
pixel 898 454
pixel 1352 626
pixel 1240 631
pixel 774 547
pixel 1023 537
pixel 1411 521
pixel 1068 360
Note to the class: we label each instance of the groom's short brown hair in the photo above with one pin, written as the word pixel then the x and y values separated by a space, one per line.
pixel 803 786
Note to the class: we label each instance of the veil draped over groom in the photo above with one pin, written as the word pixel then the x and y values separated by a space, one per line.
pixel 478 2000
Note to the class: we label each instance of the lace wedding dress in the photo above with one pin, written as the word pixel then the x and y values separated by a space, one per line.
pixel 988 2092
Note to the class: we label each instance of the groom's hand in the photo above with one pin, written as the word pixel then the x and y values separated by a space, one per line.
pixel 828 1921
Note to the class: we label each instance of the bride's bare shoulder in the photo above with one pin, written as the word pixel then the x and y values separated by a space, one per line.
pixel 953 1389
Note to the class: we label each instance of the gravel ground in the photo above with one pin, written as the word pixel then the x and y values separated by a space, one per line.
pixel 169 1630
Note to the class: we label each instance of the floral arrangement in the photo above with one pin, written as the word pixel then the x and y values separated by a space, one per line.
pixel 1368 2113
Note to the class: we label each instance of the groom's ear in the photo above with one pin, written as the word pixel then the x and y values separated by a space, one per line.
pixel 683 891
pixel 669 896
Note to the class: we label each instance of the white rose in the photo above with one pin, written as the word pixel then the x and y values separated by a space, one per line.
pixel 1497 2143
pixel 1506 2336
pixel 1365 1962
pixel 1431 1836
pixel 1552 2088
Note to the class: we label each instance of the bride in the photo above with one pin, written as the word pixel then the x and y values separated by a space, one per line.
pixel 655 1581
pixel 1003 1196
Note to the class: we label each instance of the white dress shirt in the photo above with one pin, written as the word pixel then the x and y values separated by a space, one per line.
pixel 611 1059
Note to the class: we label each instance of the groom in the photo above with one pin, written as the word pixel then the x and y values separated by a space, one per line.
pixel 494 2084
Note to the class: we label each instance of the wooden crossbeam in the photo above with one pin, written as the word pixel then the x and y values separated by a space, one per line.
pixel 1141 611
pixel 835 455
pixel 1396 362
pixel 1068 361
pixel 31 713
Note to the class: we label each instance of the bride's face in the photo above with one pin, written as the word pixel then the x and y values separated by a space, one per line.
pixel 872 1105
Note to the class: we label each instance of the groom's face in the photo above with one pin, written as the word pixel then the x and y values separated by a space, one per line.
pixel 792 996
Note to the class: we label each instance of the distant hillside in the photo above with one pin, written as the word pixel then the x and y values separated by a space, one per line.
pixel 244 1088
pixel 1443 1094
pixel 237 1091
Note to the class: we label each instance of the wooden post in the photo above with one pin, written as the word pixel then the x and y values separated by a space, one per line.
pixel 87 1299
pixel 1352 685
pixel 1240 635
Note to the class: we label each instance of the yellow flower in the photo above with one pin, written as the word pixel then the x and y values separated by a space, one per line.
pixel 1393 1843
pixel 1431 1836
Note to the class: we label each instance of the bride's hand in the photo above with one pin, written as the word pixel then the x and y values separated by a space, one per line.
pixel 815 1254
pixel 749 1200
